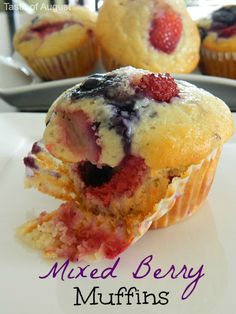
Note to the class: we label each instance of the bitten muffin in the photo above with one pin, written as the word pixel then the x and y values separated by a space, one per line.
pixel 155 35
pixel 123 149
pixel 59 43
pixel 218 48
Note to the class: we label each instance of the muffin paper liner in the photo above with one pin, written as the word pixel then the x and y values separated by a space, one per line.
pixel 182 198
pixel 218 63
pixel 77 62
pixel 187 193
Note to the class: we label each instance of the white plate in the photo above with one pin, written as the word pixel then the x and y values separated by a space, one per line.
pixel 39 96
pixel 207 238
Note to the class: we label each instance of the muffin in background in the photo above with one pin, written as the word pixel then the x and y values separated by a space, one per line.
pixel 59 43
pixel 159 36
pixel 218 46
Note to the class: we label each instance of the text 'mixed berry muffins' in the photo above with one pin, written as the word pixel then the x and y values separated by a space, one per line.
pixel 59 43
pixel 218 48
pixel 124 150
pixel 157 35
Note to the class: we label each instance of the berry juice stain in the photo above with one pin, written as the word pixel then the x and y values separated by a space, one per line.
pixel 110 87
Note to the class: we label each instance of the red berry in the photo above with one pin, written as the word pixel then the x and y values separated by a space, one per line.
pixel 227 32
pixel 123 182
pixel 165 31
pixel 49 28
pixel 78 237
pixel 114 246
pixel 161 87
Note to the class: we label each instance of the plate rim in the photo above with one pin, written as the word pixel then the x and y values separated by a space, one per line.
pixel 76 80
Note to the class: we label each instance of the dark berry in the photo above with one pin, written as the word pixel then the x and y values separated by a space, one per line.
pixel 95 85
pixel 93 176
pixel 36 148
pixel 30 162
pixel 224 16
pixel 124 116
pixel 90 83
pixel 111 88
pixel 216 26
pixel 232 8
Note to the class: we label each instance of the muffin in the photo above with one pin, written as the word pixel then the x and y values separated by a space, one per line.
pixel 155 35
pixel 59 43
pixel 218 47
pixel 123 150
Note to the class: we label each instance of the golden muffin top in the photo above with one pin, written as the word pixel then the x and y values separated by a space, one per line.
pixel 168 123
pixel 55 32
pixel 156 35
pixel 218 30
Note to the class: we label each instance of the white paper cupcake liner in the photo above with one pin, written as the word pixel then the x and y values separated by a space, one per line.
pixel 77 62
pixel 182 197
pixel 187 193
pixel 218 63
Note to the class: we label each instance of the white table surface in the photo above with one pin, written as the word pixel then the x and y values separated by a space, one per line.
pixel 207 238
